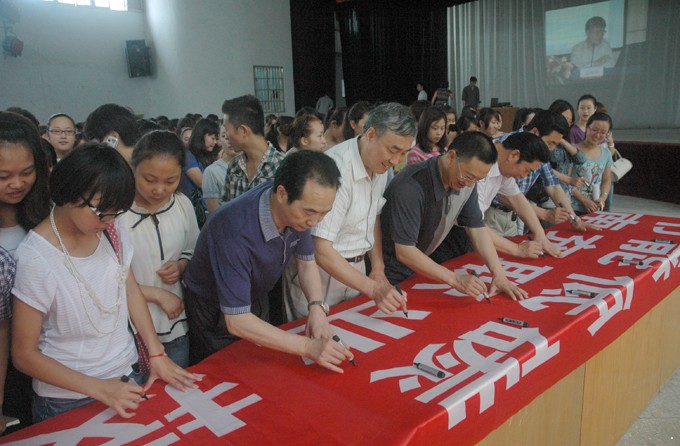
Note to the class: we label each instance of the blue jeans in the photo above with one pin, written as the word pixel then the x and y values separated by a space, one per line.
pixel 178 350
pixel 45 407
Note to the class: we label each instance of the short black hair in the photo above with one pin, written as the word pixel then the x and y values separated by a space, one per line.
pixel 112 118
pixel 599 116
pixel 16 129
pixel 473 79
pixel 478 145
pixel 245 110
pixel 89 169
pixel 158 143
pixel 463 123
pixel 299 167
pixel 531 147
pixel 595 22
pixel 26 114
pixel 546 122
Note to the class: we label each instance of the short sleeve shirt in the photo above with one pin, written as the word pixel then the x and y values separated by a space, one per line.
pixel 358 202
pixel 495 183
pixel 240 254
pixel 214 178
pixel 420 212
pixel 237 179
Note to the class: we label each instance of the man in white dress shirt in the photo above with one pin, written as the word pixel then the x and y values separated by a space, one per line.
pixel 351 230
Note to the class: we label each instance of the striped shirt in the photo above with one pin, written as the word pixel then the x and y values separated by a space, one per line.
pixel 416 154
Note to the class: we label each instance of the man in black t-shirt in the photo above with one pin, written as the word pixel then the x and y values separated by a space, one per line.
pixel 425 201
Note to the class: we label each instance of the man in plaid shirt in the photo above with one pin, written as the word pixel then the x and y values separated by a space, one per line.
pixel 258 161
pixel 551 127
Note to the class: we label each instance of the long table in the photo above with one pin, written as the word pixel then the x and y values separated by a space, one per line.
pixel 548 380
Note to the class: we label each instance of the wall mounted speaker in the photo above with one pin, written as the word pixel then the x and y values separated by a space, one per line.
pixel 138 58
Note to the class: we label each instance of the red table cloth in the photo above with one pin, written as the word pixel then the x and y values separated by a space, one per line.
pixel 252 395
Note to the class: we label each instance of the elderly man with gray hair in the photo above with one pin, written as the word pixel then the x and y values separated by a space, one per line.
pixel 351 230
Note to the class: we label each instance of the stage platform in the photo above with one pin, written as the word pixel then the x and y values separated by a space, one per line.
pixel 671 136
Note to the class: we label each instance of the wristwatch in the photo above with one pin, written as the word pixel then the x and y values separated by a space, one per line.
pixel 324 306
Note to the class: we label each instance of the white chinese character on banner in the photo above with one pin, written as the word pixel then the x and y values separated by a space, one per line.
pixel 575 293
pixel 667 228
pixel 98 427
pixel 613 221
pixel 483 356
pixel 220 420
pixel 573 242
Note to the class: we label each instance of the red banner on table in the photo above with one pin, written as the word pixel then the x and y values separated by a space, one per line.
pixel 578 305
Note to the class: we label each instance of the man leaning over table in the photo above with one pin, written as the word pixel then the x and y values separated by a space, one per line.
pixel 241 253
pixel 518 156
pixel 426 200
pixel 352 229
pixel 553 129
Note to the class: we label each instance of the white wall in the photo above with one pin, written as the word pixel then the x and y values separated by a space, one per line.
pixel 203 52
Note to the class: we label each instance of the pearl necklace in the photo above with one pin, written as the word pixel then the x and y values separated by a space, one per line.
pixel 121 276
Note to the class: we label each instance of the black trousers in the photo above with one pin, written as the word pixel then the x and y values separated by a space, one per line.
pixel 207 328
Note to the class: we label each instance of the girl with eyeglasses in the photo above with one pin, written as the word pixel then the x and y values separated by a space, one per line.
pixel 596 170
pixel 74 293
pixel 61 133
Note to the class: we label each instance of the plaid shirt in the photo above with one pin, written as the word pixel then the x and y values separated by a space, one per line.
pixel 546 173
pixel 8 270
pixel 237 180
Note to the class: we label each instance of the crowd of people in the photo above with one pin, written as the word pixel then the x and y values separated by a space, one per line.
pixel 134 248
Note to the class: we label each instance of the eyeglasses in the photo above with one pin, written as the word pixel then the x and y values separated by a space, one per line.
pixel 105 218
pixel 69 132
pixel 467 179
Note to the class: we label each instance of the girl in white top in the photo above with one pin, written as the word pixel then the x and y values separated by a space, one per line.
pixel 163 228
pixel 74 291
pixel 24 196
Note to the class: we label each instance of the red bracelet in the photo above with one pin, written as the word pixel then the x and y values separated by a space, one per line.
pixel 158 355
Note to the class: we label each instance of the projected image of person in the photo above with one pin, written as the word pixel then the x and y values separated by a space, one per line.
pixel 595 50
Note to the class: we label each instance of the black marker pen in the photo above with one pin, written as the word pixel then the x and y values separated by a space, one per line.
pixel 572 217
pixel 486 294
pixel 405 310
pixel 429 369
pixel 663 240
pixel 511 321
pixel 582 293
pixel 630 262
pixel 337 339
pixel 126 379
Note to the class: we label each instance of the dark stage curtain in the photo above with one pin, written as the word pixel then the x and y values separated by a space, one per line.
pixel 313 36
pixel 389 47
pixel 654 172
